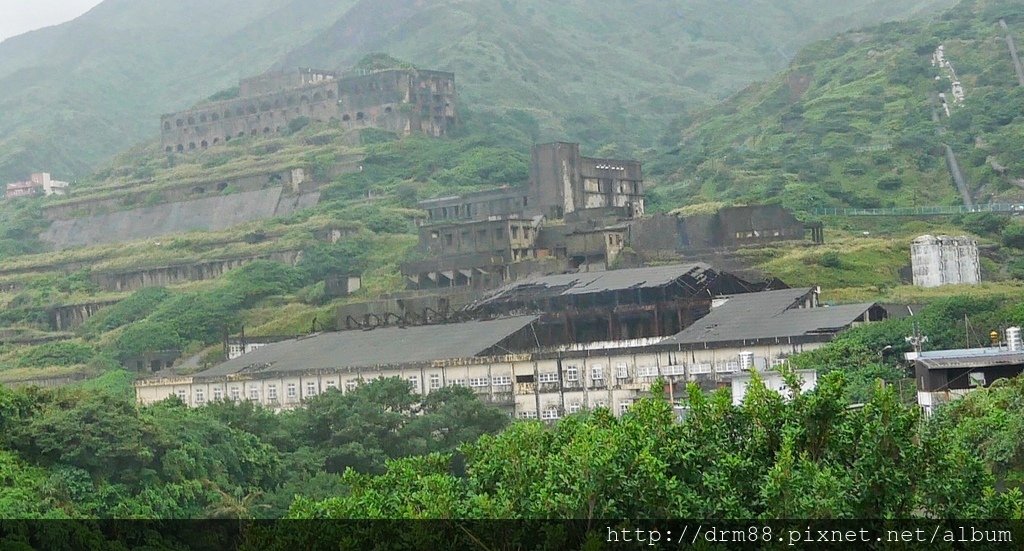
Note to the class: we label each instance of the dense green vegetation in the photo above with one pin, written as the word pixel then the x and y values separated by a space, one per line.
pixel 92 452
pixel 849 123
pixel 604 73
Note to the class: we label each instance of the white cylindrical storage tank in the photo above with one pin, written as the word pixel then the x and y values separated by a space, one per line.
pixel 1013 339
pixel 746 360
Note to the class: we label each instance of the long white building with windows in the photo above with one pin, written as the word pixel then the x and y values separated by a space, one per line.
pixel 741 332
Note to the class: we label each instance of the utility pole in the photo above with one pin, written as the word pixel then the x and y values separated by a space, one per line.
pixel 917 339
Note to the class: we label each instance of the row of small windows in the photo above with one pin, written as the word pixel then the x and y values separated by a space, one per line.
pixel 554 413
pixel 204 144
pixel 240 111
pixel 182 123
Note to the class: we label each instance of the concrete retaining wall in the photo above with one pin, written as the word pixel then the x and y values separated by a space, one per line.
pixel 210 213
pixel 163 276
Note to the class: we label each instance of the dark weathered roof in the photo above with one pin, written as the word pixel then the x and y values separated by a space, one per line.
pixel 382 346
pixel 970 358
pixel 767 315
pixel 599 282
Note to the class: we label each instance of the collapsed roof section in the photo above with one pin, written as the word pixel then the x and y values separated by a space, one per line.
pixel 638 286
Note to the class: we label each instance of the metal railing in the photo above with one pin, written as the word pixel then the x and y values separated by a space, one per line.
pixel 918 211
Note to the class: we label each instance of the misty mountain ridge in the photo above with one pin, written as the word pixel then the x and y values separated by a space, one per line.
pixel 607 73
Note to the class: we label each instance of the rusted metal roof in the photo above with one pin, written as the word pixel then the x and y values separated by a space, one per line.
pixel 600 282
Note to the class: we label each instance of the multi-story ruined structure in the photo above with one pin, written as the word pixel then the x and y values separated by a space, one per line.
pixel 575 213
pixel 405 101
pixel 563 184
pixel 557 219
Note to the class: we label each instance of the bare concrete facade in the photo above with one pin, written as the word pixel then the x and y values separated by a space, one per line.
pixel 562 183
pixel 405 101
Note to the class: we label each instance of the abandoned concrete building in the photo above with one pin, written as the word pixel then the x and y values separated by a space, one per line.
pixel 557 348
pixel 575 214
pixel 404 101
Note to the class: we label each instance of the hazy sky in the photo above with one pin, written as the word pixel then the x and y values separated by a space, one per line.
pixel 21 16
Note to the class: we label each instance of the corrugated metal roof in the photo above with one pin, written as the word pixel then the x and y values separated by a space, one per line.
pixel 598 282
pixel 382 346
pixel 969 358
pixel 767 315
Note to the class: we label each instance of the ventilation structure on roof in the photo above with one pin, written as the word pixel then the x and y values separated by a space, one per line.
pixel 1013 340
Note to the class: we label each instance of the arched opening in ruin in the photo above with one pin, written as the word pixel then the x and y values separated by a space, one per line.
pixel 278 129
pixel 387 109
pixel 216 141
pixel 167 125
pixel 191 120
pixel 215 117
pixel 168 149
pixel 359 116
pixel 181 148
pixel 304 99
pixel 180 123
pixel 204 144
pixel 266 130
pixel 253 132
pixel 222 186
pixel 227 138
pixel 202 118
pixel 330 94
pixel 346 118
pixel 318 96
pixel 227 113
pixel 240 134
pixel 192 145
pixel 198 190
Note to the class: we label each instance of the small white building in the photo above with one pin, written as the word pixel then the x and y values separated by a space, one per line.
pixel 944 260
pixel 773 380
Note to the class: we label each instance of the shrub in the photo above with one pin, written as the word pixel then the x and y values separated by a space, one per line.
pixel 57 353
pixel 830 259
pixel 1013 236
pixel 134 308
pixel 297 124
pixel 146 336
pixel 982 223
pixel 889 183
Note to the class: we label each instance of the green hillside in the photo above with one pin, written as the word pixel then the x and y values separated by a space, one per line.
pixel 850 122
pixel 605 72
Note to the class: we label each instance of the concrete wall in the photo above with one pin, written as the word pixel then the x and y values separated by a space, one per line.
pixel 210 214
pixel 67 318
pixel 402 101
pixel 944 260
pixel 163 276
pixel 738 226
pixel 296 179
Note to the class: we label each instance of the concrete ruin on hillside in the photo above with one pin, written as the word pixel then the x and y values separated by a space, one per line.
pixel 575 213
pixel 945 260
pixel 405 101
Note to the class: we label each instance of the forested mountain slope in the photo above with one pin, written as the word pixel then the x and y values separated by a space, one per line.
pixel 858 121
pixel 602 72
